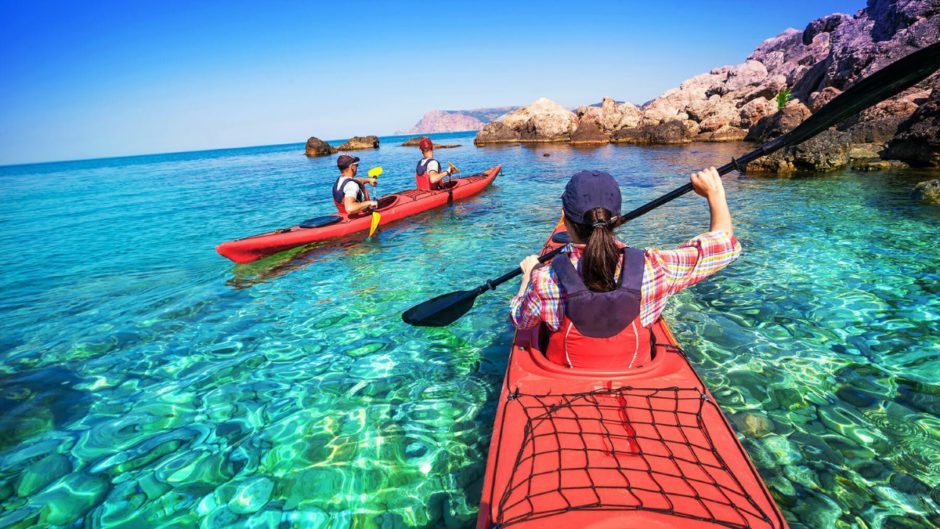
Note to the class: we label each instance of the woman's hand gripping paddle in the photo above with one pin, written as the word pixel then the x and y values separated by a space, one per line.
pixel 376 218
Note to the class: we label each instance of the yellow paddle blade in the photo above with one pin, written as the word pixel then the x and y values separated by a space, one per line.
pixel 375 222
pixel 453 168
pixel 375 172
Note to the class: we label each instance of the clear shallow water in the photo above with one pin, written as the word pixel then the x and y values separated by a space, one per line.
pixel 147 382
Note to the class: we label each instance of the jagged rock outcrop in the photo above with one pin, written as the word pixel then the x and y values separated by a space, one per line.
pixel 317 147
pixel 358 143
pixel 816 65
pixel 542 121
pixel 414 142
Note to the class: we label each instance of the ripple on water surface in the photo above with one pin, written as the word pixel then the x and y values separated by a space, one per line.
pixel 146 382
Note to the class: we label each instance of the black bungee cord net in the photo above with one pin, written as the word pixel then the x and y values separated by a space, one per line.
pixel 622 449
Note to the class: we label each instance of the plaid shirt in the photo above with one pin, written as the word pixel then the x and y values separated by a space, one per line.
pixel 666 272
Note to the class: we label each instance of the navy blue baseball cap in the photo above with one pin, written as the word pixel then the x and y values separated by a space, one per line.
pixel 588 190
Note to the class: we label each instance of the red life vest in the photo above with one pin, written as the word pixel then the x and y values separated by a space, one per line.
pixel 422 179
pixel 339 196
pixel 601 330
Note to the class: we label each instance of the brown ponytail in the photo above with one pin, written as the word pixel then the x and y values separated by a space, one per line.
pixel 601 256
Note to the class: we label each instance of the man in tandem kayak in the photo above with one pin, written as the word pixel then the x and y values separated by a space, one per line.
pixel 599 298
pixel 428 174
pixel 349 193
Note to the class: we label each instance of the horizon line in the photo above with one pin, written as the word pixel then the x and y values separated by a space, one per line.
pixel 213 149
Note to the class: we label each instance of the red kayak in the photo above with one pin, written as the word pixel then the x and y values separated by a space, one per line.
pixel 392 207
pixel 644 449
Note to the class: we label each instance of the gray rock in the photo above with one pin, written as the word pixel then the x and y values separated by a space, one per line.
pixel 318 147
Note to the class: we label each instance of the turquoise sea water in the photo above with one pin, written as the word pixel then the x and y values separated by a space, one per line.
pixel 146 381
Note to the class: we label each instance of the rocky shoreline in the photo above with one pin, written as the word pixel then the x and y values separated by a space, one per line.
pixel 749 100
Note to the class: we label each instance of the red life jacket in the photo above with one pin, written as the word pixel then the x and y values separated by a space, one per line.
pixel 601 330
pixel 422 179
pixel 339 197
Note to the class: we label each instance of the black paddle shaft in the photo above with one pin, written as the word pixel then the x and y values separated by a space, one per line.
pixel 890 80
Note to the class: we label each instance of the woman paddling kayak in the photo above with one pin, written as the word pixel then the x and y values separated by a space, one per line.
pixel 599 302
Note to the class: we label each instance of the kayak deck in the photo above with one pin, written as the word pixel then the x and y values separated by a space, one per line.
pixel 392 207
pixel 648 448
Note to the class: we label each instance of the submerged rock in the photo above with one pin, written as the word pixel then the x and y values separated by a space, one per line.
pixel 358 143
pixel 928 192
pixel 251 495
pixel 42 473
pixel 318 147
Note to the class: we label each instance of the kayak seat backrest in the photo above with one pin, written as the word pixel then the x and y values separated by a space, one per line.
pixel 319 222
pixel 544 333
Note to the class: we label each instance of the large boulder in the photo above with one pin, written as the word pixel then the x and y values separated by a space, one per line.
pixel 779 123
pixel 827 151
pixel 589 132
pixel 666 133
pixel 542 121
pixel 918 138
pixel 317 147
pixel 610 115
pixel 726 133
pixel 358 143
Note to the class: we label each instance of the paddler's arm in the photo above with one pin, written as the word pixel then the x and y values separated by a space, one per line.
pixel 697 258
pixel 353 207
pixel 370 181
pixel 539 299
pixel 437 176
pixel 707 183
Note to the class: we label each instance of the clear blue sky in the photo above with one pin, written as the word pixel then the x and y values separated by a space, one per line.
pixel 94 79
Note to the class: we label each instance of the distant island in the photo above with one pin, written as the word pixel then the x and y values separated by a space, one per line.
pixel 456 120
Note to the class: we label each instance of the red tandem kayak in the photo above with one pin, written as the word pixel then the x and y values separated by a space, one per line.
pixel 392 207
pixel 644 449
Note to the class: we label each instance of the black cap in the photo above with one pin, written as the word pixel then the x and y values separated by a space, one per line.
pixel 588 190
pixel 345 160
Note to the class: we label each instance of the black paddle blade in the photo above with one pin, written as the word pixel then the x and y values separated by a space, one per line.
pixel 442 310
